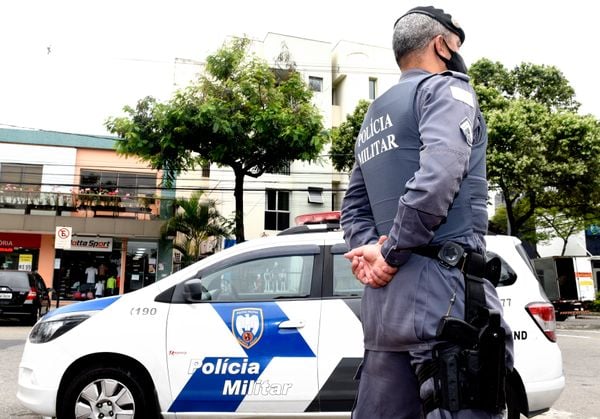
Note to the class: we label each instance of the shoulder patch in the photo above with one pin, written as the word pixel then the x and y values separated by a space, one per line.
pixel 467 130
pixel 463 95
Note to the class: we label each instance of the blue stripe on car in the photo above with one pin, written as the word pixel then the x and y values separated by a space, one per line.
pixel 216 387
pixel 90 305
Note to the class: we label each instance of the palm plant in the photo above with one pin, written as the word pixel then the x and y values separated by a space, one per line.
pixel 195 220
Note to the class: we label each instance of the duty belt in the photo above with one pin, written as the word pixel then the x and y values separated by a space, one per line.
pixel 452 254
pixel 473 267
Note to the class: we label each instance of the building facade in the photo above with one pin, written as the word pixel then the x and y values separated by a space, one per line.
pixel 109 202
pixel 340 75
pixel 113 204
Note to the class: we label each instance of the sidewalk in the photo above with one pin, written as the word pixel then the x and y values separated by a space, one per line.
pixel 584 321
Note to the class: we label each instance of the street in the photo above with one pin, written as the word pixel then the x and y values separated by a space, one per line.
pixel 579 340
pixel 12 339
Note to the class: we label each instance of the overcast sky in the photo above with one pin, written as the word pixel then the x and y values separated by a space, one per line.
pixel 68 65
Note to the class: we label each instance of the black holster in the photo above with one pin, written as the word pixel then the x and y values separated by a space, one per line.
pixel 469 367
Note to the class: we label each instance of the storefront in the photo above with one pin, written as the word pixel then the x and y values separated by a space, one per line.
pixel 20 251
pixel 133 261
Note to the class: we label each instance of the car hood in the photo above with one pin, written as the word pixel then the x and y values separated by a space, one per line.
pixel 91 305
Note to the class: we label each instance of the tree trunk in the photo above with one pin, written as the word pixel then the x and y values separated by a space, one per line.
pixel 239 206
pixel 510 218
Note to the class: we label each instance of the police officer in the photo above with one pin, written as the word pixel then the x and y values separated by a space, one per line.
pixel 418 183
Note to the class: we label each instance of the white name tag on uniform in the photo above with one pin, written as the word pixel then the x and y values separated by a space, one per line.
pixel 463 95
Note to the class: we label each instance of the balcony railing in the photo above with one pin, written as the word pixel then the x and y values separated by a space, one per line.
pixel 82 204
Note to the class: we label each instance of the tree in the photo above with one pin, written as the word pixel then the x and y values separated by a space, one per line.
pixel 343 138
pixel 241 113
pixel 542 155
pixel 196 220
pixel 561 225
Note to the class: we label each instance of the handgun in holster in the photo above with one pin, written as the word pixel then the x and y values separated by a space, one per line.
pixel 470 371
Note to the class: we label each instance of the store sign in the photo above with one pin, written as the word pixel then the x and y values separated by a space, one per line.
pixel 10 241
pixel 25 262
pixel 6 246
pixel 92 244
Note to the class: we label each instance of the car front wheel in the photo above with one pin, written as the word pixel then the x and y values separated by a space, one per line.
pixel 106 392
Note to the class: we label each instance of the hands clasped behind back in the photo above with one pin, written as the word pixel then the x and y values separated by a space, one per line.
pixel 369 266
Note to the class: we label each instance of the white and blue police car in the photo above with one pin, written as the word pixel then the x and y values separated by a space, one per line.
pixel 267 328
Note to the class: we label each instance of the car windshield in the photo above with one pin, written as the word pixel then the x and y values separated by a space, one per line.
pixel 14 279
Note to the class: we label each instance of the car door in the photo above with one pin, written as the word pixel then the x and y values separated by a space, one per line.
pixel 341 337
pixel 242 335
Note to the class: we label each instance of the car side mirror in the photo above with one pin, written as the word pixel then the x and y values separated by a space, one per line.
pixel 194 291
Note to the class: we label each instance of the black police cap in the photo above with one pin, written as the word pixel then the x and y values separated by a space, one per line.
pixel 439 15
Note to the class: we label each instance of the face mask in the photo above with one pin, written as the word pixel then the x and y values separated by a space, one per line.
pixel 455 63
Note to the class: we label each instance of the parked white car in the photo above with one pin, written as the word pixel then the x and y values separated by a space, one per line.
pixel 267 328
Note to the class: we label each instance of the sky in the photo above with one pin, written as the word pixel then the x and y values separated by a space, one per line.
pixel 68 65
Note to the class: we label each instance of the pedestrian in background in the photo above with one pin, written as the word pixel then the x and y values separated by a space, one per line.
pixel 111 284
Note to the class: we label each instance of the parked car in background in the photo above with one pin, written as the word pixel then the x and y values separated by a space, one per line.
pixel 267 328
pixel 23 295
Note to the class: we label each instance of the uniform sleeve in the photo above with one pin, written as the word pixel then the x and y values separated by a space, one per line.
pixel 357 219
pixel 445 108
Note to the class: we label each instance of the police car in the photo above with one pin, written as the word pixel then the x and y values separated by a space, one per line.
pixel 268 328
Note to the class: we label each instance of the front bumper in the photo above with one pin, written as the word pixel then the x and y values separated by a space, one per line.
pixel 32 395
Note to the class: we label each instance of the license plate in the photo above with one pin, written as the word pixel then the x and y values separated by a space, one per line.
pixel 5 295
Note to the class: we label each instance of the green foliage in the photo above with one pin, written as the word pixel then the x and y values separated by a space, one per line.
pixel 542 155
pixel 344 137
pixel 595 305
pixel 195 221
pixel 241 113
pixel 498 224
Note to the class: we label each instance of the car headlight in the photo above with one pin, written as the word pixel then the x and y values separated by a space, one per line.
pixel 46 330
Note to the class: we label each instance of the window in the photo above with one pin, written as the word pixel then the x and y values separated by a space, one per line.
pixel 134 184
pixel 337 195
pixel 285 169
pixel 372 88
pixel 315 195
pixel 277 212
pixel 315 83
pixel 21 177
pixel 261 279
pixel 206 170
pixel 344 281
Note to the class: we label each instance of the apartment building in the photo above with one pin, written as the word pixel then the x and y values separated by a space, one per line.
pixel 340 75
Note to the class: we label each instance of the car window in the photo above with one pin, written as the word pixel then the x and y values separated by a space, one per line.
pixel 507 275
pixel 523 253
pixel 14 279
pixel 344 282
pixel 261 279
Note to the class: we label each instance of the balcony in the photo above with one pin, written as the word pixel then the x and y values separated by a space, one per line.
pixel 79 204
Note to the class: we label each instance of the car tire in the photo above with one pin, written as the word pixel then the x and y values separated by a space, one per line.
pixel 512 403
pixel 106 391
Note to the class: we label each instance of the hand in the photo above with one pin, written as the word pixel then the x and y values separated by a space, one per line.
pixel 369 266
